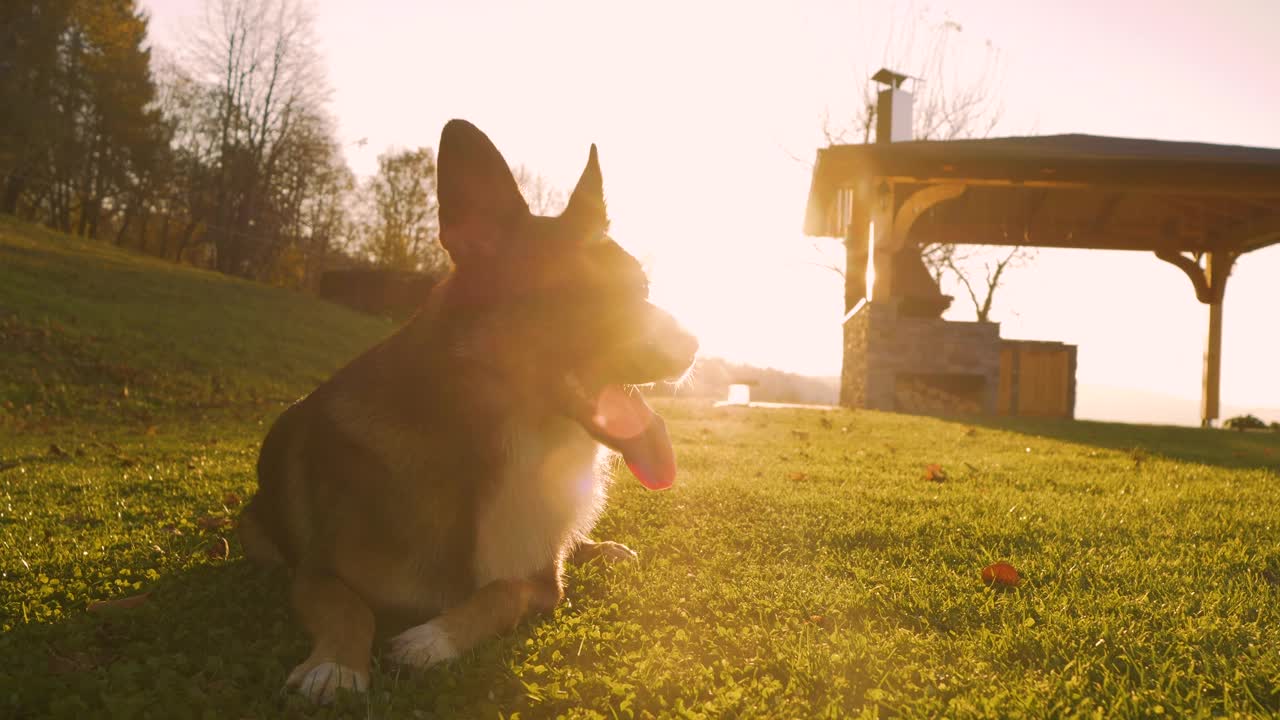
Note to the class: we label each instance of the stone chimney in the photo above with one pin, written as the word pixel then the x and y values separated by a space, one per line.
pixel 893 107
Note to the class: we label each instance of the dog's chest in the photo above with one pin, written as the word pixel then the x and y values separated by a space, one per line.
pixel 548 495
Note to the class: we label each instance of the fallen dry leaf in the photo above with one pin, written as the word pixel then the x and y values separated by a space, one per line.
pixel 152 430
pixel 934 473
pixel 1001 573
pixel 231 500
pixel 125 603
pixel 798 476
pixel 219 550
pixel 210 522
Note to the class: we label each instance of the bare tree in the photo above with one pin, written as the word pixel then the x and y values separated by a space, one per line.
pixel 993 268
pixel 401 231
pixel 185 204
pixel 308 207
pixel 260 57
pixel 952 99
pixel 543 198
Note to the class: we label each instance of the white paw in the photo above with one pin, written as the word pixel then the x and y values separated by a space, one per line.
pixel 423 646
pixel 321 683
pixel 613 551
pixel 610 551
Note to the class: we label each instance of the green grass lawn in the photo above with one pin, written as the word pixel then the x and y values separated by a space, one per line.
pixel 95 334
pixel 803 566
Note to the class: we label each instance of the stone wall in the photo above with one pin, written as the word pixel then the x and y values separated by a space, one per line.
pixel 881 348
pixel 853 374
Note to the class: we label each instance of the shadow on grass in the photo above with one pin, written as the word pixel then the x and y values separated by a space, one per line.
pixel 218 641
pixel 1221 448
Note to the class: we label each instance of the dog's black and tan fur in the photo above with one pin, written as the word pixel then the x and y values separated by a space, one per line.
pixel 438 482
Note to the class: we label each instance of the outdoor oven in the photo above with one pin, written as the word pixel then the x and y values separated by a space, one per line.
pixel 919 364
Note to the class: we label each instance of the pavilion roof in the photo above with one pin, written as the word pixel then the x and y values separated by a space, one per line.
pixel 1076 191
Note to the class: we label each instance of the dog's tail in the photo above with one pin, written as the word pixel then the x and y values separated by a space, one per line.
pixel 257 543
pixel 263 530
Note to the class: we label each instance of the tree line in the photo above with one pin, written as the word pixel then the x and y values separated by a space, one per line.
pixel 220 153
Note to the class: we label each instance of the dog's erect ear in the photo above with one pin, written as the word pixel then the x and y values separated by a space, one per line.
pixel 586 207
pixel 479 198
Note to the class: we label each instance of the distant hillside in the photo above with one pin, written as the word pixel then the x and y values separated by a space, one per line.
pixel 93 331
pixel 711 378
pixel 1100 402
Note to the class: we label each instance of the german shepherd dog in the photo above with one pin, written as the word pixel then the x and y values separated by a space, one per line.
pixel 440 480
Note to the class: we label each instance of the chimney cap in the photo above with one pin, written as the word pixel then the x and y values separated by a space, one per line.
pixel 893 79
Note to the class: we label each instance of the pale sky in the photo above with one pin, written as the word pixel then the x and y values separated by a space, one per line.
pixel 700 110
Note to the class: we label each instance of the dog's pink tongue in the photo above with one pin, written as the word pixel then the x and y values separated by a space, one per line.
pixel 626 423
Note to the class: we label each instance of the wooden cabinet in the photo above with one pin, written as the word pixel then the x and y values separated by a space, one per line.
pixel 1037 379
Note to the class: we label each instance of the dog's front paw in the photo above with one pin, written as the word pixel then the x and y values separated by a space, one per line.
pixel 608 550
pixel 423 646
pixel 321 682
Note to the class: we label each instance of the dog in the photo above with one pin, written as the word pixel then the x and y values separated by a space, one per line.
pixel 436 485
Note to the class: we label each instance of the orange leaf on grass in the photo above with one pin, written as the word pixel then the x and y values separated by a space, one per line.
pixel 934 473
pixel 1001 573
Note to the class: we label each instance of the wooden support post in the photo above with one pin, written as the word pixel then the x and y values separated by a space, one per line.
pixel 1212 366
pixel 1210 283
pixel 882 248
pixel 856 246
pixel 892 228
pixel 1217 268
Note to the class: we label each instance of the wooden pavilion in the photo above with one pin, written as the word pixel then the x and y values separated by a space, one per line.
pixel 1197 206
